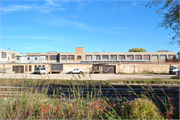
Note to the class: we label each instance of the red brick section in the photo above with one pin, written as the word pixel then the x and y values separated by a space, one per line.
pixel 79 49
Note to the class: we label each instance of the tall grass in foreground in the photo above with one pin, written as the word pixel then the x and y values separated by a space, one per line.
pixel 35 103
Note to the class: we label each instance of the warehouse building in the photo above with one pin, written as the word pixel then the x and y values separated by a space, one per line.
pixel 105 57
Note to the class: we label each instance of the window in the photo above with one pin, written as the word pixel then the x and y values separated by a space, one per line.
pixel 46 57
pixel 28 58
pixel 154 57
pixel 63 57
pixel 146 57
pixel 78 57
pixel 54 57
pixel 36 58
pixel 17 58
pixel 29 68
pixel 113 57
pixel 13 56
pixel 97 57
pixel 39 65
pixel 3 55
pixel 138 57
pixel 130 57
pixel 162 57
pixel 35 66
pixel 121 57
pixel 105 57
pixel 70 57
pixel 43 65
pixel 170 56
pixel 88 57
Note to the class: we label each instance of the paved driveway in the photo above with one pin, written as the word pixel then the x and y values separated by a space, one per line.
pixel 87 76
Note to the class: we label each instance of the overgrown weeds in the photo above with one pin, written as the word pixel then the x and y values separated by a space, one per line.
pixel 46 99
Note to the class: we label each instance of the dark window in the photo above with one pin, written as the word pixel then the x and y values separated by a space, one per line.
pixel 78 57
pixel 130 57
pixel 162 57
pixel 43 68
pixel 121 57
pixel 113 57
pixel 36 58
pixel 146 57
pixel 39 65
pixel 43 65
pixel 35 66
pixel 3 55
pixel 70 57
pixel 54 57
pixel 171 57
pixel 29 68
pixel 28 58
pixel 88 57
pixel 105 57
pixel 46 57
pixel 63 57
pixel 154 57
pixel 17 58
pixel 138 57
pixel 13 56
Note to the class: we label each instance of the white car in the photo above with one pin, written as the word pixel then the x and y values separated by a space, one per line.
pixel 40 70
pixel 76 70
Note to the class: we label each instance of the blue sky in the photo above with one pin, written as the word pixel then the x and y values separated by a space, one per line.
pixel 98 26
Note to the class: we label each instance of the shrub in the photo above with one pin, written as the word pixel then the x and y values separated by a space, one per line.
pixel 140 108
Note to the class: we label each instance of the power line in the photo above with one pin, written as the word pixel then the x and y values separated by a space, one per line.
pixel 76 16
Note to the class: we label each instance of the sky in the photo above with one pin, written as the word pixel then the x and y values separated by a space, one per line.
pixel 98 26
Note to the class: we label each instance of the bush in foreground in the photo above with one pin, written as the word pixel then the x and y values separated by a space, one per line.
pixel 140 108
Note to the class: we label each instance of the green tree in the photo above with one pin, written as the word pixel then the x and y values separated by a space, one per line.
pixel 137 50
pixel 170 13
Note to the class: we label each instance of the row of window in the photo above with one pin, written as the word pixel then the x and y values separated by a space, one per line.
pixel 29 58
pixel 3 55
pixel 114 62
pixel 70 57
pixel 120 57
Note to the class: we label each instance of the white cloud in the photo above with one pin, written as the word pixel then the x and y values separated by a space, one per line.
pixel 46 7
pixel 135 3
pixel 64 22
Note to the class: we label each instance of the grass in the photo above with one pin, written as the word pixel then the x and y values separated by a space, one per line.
pixel 85 82
pixel 37 104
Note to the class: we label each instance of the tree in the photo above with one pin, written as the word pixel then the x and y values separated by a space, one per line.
pixel 163 51
pixel 137 50
pixel 170 14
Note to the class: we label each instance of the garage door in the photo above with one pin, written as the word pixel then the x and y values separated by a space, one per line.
pixel 18 69
pixel 56 67
pixel 109 69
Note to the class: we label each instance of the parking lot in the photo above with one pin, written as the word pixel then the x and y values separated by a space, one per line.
pixel 86 77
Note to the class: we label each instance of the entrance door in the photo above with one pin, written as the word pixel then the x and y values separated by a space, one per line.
pixel 109 69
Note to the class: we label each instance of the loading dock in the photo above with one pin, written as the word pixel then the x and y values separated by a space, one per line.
pixel 56 68
pixel 109 69
pixel 18 69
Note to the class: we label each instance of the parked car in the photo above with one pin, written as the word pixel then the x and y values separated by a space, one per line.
pixel 76 70
pixel 40 70
pixel 174 70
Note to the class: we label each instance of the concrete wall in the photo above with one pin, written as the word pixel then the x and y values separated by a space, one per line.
pixel 144 67
pixel 120 68
pixel 68 67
